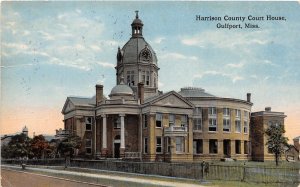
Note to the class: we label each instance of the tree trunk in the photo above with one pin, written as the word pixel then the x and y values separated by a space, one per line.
pixel 276 159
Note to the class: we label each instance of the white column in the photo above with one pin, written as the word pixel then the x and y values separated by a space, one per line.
pixel 122 132
pixel 104 132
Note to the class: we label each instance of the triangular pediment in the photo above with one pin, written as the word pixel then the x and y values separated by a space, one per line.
pixel 172 99
pixel 68 106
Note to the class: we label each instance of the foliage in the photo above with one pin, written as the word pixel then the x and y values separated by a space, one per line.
pixel 276 141
pixel 40 147
pixel 68 145
pixel 18 147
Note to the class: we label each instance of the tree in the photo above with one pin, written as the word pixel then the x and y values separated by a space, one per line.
pixel 276 141
pixel 18 147
pixel 40 147
pixel 68 145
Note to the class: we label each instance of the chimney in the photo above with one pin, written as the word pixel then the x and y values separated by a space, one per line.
pixel 268 109
pixel 141 92
pixel 248 97
pixel 99 94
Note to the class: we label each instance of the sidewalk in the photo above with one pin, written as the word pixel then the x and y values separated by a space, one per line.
pixel 109 178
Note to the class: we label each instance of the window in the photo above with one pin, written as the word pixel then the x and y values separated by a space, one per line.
pixel 158 145
pixel 147 78
pixel 143 77
pixel 145 121
pixel 88 146
pixel 168 144
pixel 226 112
pixel 158 120
pixel 245 127
pixel 179 144
pixel 145 145
pixel 130 78
pixel 246 147
pixel 212 111
pixel 226 125
pixel 198 111
pixel 198 124
pixel 246 115
pixel 198 146
pixel 88 123
pixel 154 81
pixel 238 113
pixel 117 123
pixel 171 120
pixel 213 146
pixel 183 121
pixel 212 126
pixel 238 146
pixel 237 126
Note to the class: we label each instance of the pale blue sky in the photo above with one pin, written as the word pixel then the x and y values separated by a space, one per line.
pixel 51 50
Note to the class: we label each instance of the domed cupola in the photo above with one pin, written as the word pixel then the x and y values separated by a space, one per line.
pixel 121 91
pixel 137 26
pixel 137 61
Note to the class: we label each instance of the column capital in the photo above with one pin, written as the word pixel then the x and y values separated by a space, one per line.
pixel 103 115
pixel 122 115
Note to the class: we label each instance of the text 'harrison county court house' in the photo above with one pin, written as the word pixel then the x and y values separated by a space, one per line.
pixel 138 121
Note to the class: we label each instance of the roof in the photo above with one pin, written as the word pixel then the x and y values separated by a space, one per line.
pixel 161 96
pixel 131 50
pixel 298 137
pixel 121 89
pixel 194 92
pixel 82 101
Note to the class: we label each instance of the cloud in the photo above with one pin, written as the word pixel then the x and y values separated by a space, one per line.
pixel 106 64
pixel 233 77
pixel 230 40
pixel 239 65
pixel 160 84
pixel 177 56
pixel 158 40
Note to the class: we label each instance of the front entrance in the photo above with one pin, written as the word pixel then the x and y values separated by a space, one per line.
pixel 226 148
pixel 117 145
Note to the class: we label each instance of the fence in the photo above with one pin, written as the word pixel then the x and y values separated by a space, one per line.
pixel 50 162
pixel 232 172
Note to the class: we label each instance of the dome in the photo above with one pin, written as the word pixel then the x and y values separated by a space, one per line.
pixel 121 90
pixel 137 21
pixel 133 51
pixel 194 92
pixel 25 129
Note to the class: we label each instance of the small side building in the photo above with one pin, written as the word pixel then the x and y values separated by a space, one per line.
pixel 260 121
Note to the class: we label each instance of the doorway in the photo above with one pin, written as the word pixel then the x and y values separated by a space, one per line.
pixel 226 148
pixel 117 145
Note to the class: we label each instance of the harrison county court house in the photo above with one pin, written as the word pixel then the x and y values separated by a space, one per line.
pixel 138 121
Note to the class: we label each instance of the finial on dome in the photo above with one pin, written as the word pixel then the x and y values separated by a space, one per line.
pixel 136 14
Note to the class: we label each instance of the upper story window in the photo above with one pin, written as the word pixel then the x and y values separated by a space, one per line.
pixel 237 126
pixel 88 123
pixel 147 78
pixel 246 127
pixel 226 125
pixel 238 113
pixel 183 121
pixel 158 120
pixel 171 120
pixel 145 121
pixel 130 78
pixel 226 112
pixel 212 125
pixel 117 123
pixel 212 111
pixel 197 124
pixel 246 116
pixel 198 111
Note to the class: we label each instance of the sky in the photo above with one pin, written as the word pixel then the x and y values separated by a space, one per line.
pixel 52 50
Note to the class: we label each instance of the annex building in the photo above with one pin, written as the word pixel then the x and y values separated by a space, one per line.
pixel 137 121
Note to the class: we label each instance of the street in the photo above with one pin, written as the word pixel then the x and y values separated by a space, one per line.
pixel 10 178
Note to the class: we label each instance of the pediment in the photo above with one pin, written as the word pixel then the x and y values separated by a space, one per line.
pixel 69 106
pixel 173 100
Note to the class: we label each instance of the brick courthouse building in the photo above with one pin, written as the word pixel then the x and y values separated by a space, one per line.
pixel 138 121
